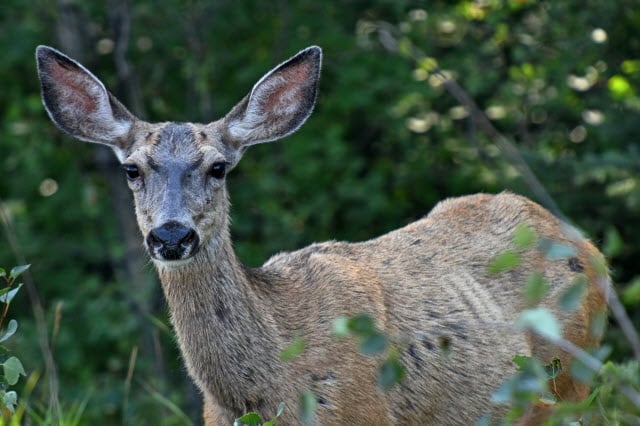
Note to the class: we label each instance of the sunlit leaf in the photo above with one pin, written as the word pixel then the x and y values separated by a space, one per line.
pixel 10 400
pixel 249 419
pixel 540 320
pixel 8 296
pixel 619 87
pixel 13 369
pixel 341 326
pixel 12 327
pixel 18 270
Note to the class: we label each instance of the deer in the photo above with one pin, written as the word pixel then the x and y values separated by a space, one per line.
pixel 421 283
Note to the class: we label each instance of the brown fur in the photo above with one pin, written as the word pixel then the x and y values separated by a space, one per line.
pixel 424 284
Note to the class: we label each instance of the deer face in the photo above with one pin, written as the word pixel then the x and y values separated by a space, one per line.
pixel 177 170
pixel 177 174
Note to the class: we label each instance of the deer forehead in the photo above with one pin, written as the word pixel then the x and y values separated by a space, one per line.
pixel 162 145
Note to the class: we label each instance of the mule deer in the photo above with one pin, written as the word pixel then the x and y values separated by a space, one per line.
pixel 421 283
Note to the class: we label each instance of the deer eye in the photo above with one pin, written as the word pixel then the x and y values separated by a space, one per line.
pixel 218 170
pixel 131 171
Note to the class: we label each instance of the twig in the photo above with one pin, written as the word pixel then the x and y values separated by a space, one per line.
pixel 620 314
pixel 127 383
pixel 593 364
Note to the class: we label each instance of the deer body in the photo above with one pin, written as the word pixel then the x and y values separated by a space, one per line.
pixel 424 284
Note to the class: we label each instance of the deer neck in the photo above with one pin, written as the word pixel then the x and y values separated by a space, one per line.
pixel 226 334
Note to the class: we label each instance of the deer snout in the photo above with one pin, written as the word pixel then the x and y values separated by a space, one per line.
pixel 172 241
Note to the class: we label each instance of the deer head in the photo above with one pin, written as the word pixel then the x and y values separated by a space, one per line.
pixel 177 170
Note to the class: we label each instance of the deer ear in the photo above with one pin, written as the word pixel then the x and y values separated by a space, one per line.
pixel 78 102
pixel 279 103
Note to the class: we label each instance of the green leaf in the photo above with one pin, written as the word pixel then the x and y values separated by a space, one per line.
pixel 504 261
pixel 555 250
pixel 503 394
pixel 341 326
pixel 582 372
pixel 521 361
pixel 294 349
pixel 10 400
pixel 390 373
pixel 528 384
pixel 536 288
pixel 373 344
pixel 272 422
pixel 483 421
pixel 572 297
pixel 249 419
pixel 6 296
pixel 613 243
pixel 13 369
pixel 524 236
pixel 554 368
pixel 540 320
pixel 631 293
pixel 12 327
pixel 598 325
pixel 3 273
pixel 307 405
pixel 17 271
pixel 362 325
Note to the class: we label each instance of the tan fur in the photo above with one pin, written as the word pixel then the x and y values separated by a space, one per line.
pixel 425 284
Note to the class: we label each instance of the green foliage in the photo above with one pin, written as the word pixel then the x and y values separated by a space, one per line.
pixel 536 288
pixel 504 261
pixel 572 297
pixel 541 321
pixel 372 342
pixel 295 348
pixel 12 367
pixel 254 419
pixel 307 406
pixel 524 236
pixel 533 382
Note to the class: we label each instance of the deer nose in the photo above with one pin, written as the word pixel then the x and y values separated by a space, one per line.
pixel 172 241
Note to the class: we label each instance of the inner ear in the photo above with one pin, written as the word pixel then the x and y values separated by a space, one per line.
pixel 279 103
pixel 78 102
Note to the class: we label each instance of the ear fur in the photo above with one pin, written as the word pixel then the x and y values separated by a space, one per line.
pixel 279 103
pixel 78 103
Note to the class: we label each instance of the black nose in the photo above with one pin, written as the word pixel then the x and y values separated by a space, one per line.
pixel 172 241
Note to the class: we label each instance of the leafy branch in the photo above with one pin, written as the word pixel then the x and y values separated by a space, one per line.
pixel 12 367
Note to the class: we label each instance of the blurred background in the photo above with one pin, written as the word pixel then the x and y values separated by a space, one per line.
pixel 560 81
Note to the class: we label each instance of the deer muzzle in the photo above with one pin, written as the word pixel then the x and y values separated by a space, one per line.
pixel 172 241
